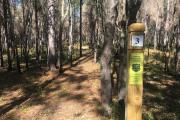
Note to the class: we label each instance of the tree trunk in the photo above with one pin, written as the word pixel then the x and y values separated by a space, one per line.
pixel 7 17
pixel 122 52
pixel 45 32
pixel 51 35
pixel 178 49
pixel 60 46
pixel 110 19
pixel 60 49
pixel 132 9
pixel 93 31
pixel 156 31
pixel 96 29
pixel 80 28
pixel 168 27
pixel 95 44
pixel 1 49
pixel 27 24
pixel 13 38
pixel 70 34
pixel 167 24
pixel 37 33
pixel 17 60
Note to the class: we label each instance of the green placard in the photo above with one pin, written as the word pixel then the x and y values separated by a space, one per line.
pixel 136 68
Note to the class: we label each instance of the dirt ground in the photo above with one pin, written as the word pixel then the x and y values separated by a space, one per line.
pixel 49 96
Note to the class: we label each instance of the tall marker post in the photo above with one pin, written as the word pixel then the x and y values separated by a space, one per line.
pixel 135 71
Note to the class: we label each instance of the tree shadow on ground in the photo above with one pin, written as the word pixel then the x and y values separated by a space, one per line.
pixel 36 88
pixel 26 83
pixel 161 94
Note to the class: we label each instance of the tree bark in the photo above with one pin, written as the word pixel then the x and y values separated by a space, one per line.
pixel 27 24
pixel 60 49
pixel 178 49
pixel 177 15
pixel 13 38
pixel 168 27
pixel 61 26
pixel 110 19
pixel 122 52
pixel 96 29
pixel 132 9
pixel 80 28
pixel 1 49
pixel 70 34
pixel 7 17
pixel 51 37
pixel 156 36
pixel 37 33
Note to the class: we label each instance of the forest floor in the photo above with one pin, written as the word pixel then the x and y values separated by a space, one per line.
pixel 74 95
pixel 38 95
pixel 161 98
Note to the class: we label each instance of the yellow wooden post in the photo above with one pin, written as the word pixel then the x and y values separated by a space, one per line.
pixel 135 71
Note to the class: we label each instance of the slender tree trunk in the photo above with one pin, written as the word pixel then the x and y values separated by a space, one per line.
pixel 168 27
pixel 21 42
pixel 96 37
pixel 178 50
pixel 177 16
pixel 45 32
pixel 92 15
pixel 37 33
pixel 27 23
pixel 96 29
pixel 95 44
pixel 91 20
pixel 60 49
pixel 13 38
pixel 26 54
pixel 51 36
pixel 70 35
pixel 156 31
pixel 17 60
pixel 1 49
pixel 7 17
pixel 80 28
pixel 60 46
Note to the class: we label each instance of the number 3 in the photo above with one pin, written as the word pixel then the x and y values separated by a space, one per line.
pixel 137 41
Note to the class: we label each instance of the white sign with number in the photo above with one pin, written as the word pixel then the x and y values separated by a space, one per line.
pixel 137 40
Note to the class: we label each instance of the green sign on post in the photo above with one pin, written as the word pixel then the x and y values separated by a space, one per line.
pixel 136 68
